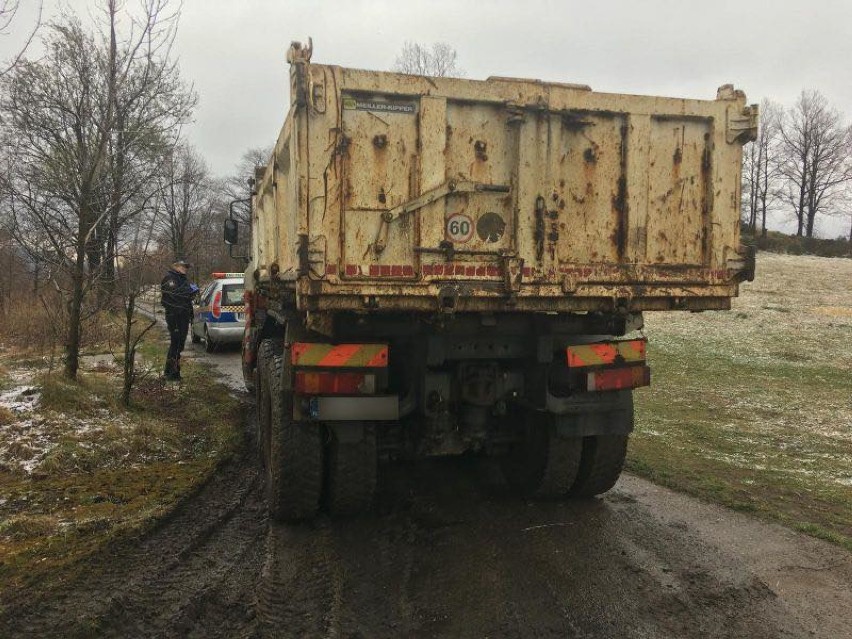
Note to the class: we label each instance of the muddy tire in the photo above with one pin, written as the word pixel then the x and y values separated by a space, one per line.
pixel 352 472
pixel 543 465
pixel 209 345
pixel 294 468
pixel 600 466
pixel 263 399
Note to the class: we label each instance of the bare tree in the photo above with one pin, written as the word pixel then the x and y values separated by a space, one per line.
pixel 136 252
pixel 441 60
pixel 238 185
pixel 237 189
pixel 761 169
pixel 8 14
pixel 184 200
pixel 81 123
pixel 815 159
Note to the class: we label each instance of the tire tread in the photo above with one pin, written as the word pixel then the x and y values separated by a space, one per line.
pixel 601 464
pixel 295 462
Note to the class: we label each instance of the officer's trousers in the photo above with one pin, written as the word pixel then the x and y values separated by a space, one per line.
pixel 178 325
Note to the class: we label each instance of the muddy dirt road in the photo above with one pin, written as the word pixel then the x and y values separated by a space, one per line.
pixel 448 554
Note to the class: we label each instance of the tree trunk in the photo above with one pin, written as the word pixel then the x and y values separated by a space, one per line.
pixel 800 212
pixel 75 313
pixel 107 276
pixel 755 189
pixel 75 304
pixel 129 351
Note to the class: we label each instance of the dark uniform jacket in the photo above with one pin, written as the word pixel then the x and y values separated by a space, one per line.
pixel 177 293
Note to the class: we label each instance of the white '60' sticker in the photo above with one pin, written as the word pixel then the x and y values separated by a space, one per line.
pixel 459 228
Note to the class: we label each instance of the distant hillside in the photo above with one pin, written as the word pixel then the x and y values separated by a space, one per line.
pixel 776 242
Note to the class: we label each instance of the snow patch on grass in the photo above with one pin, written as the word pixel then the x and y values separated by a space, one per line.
pixel 754 406
pixel 29 433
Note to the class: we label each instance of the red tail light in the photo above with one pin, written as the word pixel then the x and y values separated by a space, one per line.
pixel 217 305
pixel 309 383
pixel 618 378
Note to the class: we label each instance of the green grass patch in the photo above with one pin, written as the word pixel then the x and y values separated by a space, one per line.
pixel 760 430
pixel 81 397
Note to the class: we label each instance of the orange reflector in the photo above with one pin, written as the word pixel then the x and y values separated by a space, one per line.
pixel 618 378
pixel 310 383
pixel 340 355
pixel 604 353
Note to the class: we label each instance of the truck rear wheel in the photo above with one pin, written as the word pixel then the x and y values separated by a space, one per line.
pixel 352 469
pixel 543 464
pixel 265 353
pixel 294 463
pixel 601 464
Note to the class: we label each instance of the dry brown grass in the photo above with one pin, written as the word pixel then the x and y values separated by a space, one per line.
pixel 37 324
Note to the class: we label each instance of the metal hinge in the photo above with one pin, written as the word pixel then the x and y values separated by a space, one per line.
pixel 742 127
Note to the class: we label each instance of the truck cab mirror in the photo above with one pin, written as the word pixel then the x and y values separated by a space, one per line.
pixel 231 233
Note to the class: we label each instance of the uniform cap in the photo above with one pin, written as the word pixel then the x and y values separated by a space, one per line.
pixel 181 262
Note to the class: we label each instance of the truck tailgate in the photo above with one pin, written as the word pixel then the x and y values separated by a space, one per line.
pixel 511 189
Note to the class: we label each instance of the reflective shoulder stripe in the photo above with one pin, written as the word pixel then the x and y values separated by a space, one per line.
pixel 340 355
pixel 603 353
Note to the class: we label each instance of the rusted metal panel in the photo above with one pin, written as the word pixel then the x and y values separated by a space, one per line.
pixel 379 173
pixel 680 160
pixel 395 191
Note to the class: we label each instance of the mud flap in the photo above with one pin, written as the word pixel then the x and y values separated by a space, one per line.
pixel 347 432
pixel 603 413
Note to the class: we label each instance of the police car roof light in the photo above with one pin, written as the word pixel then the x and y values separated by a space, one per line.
pixel 224 276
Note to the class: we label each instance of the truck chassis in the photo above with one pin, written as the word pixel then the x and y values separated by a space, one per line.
pixel 383 387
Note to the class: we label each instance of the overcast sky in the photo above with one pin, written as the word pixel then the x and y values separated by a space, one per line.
pixel 233 51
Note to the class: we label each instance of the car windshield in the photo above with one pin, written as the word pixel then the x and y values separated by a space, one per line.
pixel 232 294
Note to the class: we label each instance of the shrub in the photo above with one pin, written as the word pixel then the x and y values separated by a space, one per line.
pixel 776 242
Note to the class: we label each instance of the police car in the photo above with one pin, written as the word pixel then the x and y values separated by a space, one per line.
pixel 219 314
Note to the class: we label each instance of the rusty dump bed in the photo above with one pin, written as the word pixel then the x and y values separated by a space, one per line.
pixel 390 192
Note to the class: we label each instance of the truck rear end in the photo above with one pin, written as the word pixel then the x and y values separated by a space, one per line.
pixel 443 266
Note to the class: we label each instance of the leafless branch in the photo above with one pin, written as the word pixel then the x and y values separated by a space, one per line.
pixel 441 60
pixel 8 12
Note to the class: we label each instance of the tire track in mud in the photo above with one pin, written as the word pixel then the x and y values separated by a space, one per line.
pixel 448 555
pixel 296 589
pixel 151 586
pixel 159 601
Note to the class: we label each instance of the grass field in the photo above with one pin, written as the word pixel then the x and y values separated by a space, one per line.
pixel 77 470
pixel 753 407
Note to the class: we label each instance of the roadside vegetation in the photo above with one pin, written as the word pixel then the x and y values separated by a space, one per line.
pixel 752 408
pixel 78 470
pixel 776 242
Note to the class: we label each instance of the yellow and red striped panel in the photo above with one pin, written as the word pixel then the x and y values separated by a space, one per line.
pixel 339 355
pixel 605 353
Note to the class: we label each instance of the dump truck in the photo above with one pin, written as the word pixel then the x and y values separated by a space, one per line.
pixel 445 266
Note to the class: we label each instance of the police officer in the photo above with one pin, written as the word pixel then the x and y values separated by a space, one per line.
pixel 177 294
